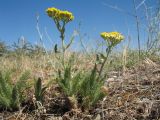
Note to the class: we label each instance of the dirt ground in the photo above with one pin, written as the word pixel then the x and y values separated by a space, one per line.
pixel 133 94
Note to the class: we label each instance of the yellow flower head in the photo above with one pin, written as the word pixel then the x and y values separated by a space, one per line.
pixel 59 14
pixel 52 12
pixel 112 37
pixel 66 16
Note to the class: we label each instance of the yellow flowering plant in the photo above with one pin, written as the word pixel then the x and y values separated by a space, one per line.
pixel 61 18
pixel 85 88
pixel 112 39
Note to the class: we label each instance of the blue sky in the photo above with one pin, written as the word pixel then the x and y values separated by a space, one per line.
pixel 18 18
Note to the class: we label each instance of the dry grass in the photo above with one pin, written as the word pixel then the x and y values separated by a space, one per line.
pixel 133 92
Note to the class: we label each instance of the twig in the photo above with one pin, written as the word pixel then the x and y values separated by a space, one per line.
pixel 138 29
pixel 140 4
pixel 119 9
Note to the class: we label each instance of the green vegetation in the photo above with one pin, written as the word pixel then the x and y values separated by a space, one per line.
pixel 65 75
pixel 11 94
pixel 39 90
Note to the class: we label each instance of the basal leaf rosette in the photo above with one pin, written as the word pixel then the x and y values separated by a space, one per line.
pixel 112 38
pixel 60 15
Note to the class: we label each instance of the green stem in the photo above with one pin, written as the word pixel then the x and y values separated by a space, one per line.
pixel 62 31
pixel 63 53
pixel 102 66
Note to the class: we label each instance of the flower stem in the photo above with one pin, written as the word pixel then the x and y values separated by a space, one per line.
pixel 102 66
pixel 62 31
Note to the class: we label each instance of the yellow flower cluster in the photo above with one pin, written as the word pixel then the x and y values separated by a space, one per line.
pixel 112 37
pixel 59 14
